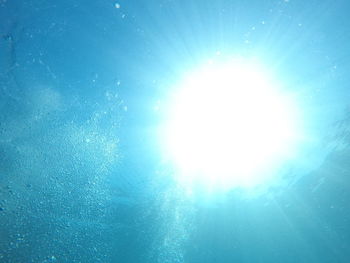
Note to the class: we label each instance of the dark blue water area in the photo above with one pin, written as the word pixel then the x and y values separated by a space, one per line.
pixel 84 87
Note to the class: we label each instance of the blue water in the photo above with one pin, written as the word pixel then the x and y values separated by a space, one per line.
pixel 83 88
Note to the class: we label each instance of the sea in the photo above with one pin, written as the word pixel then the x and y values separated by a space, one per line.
pixel 84 93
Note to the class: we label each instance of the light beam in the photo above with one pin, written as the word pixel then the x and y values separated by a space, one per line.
pixel 228 125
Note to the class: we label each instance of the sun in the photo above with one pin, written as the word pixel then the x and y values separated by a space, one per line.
pixel 228 125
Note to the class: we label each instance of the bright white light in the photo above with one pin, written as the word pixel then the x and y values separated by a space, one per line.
pixel 228 125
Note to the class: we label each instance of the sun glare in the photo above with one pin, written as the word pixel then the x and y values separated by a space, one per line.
pixel 228 126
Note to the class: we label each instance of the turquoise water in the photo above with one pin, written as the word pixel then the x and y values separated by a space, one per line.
pixel 83 91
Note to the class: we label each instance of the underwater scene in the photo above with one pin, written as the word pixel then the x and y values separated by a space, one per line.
pixel 174 131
